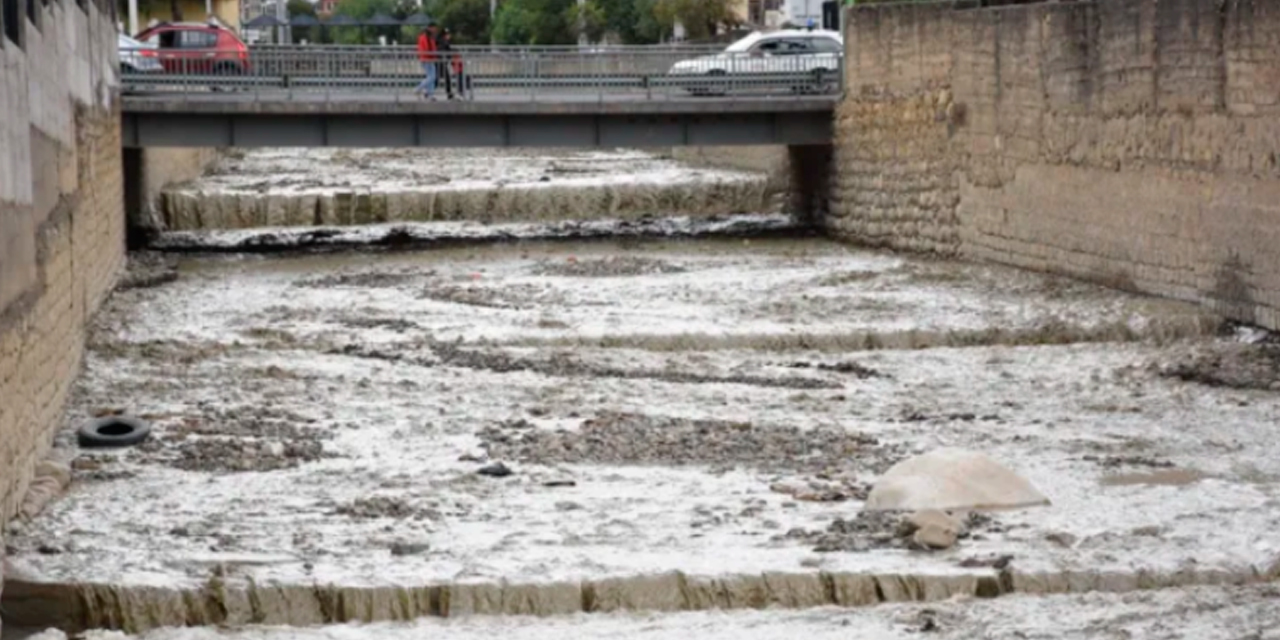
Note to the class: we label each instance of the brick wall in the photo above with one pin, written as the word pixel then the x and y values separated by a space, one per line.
pixel 1130 142
pixel 61 220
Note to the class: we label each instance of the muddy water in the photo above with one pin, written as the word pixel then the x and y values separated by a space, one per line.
pixel 312 187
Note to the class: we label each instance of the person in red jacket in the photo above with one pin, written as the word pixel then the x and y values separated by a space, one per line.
pixel 427 48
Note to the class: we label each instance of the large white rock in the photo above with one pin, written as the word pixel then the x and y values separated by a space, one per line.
pixel 952 479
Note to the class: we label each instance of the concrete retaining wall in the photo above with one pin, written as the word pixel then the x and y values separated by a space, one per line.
pixel 1130 142
pixel 61 219
pixel 769 160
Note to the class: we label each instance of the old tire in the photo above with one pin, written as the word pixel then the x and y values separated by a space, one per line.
pixel 113 431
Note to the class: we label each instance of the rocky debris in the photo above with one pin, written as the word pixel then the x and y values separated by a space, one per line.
pixel 870 530
pixel 849 366
pixel 495 470
pixel 238 455
pixel 565 364
pixel 409 548
pixel 952 479
pixel 819 490
pixel 361 280
pixel 1062 539
pixel 640 439
pixel 147 270
pixel 377 507
pixel 609 267
pixel 237 438
pixel 998 562
pixel 1233 365
pixel 508 296
pixel 1114 462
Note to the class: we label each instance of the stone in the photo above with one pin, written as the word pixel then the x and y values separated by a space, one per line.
pixel 934 518
pixel 952 479
pixel 932 536
pixel 495 470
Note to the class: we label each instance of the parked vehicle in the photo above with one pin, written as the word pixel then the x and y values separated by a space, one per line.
pixel 137 57
pixel 813 54
pixel 198 48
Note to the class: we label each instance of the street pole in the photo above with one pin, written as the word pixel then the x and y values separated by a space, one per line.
pixel 133 17
pixel 582 25
pixel 493 19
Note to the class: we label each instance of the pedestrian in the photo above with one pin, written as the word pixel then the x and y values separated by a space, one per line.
pixel 444 68
pixel 428 45
pixel 464 81
pixel 456 68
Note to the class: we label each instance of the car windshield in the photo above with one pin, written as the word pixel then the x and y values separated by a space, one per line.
pixel 744 44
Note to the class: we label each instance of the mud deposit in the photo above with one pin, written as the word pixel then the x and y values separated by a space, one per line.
pixel 588 418
pixel 315 187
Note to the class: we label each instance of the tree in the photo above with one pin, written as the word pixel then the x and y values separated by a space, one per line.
pixel 632 21
pixel 588 18
pixel 535 22
pixel 467 20
pixel 300 8
pixel 701 18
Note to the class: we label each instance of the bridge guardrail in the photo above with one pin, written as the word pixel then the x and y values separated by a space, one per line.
pixel 335 72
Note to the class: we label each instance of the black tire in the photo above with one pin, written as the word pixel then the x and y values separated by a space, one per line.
pixel 113 431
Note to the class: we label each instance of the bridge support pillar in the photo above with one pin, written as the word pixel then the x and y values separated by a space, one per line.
pixel 811 168
pixel 146 173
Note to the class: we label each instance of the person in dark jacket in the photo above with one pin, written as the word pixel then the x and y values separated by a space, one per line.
pixel 444 66
pixel 427 47
pixel 464 82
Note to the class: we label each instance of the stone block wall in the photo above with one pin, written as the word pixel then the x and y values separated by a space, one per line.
pixel 148 171
pixel 61 219
pixel 1129 142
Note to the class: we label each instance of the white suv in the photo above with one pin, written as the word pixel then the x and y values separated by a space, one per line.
pixel 815 54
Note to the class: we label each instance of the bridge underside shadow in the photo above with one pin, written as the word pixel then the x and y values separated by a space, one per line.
pixel 210 123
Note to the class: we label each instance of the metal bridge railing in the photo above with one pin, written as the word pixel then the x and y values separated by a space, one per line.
pixel 536 74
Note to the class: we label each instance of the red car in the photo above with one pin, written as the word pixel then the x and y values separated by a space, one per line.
pixel 196 48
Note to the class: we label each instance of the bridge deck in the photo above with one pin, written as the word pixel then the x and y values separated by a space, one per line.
pixel 284 118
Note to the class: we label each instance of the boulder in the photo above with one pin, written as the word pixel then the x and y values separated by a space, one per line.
pixel 952 480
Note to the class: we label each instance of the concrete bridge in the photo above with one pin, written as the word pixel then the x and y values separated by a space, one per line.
pixel 548 97
pixel 354 120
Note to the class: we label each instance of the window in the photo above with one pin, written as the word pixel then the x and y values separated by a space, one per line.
pixel 768 46
pixel 33 12
pixel 11 18
pixel 197 40
pixel 827 45
pixel 792 48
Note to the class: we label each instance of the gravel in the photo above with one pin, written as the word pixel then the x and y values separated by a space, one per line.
pixel 638 439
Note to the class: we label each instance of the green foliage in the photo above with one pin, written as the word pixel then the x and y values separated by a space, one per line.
pixel 467 20
pixel 701 18
pixel 534 22
pixel 300 8
pixel 588 17
pixel 361 9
